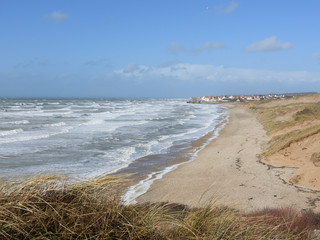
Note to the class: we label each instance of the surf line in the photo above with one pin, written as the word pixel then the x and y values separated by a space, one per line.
pixel 144 185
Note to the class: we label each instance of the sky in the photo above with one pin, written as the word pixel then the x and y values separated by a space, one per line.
pixel 158 48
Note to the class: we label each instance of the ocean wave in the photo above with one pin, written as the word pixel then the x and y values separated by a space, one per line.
pixel 125 153
pixel 19 122
pixel 93 122
pixel 10 132
pixel 125 130
pixel 33 137
pixel 180 135
pixel 53 103
pixel 144 185
pixel 59 124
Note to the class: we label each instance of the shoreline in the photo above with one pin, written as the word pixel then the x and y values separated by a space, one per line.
pixel 228 171
pixel 140 186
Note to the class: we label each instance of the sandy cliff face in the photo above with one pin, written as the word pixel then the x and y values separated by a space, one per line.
pixel 294 128
pixel 299 155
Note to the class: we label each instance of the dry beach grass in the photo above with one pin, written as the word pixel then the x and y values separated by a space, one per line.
pixel 53 208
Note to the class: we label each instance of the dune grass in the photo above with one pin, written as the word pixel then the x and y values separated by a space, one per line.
pixel 297 113
pixel 50 207
pixel 282 141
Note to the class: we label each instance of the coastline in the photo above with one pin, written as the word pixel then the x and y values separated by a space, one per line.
pixel 228 171
pixel 140 185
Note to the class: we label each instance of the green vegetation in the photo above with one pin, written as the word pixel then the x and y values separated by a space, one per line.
pixel 282 141
pixel 268 117
pixel 289 117
pixel 57 208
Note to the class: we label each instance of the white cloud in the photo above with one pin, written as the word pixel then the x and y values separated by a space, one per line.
pixel 133 70
pixel 268 44
pixel 196 72
pixel 209 46
pixel 226 9
pixel 58 16
pixel 316 56
pixel 175 48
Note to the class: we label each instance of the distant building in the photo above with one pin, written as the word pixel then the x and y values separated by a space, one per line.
pixel 237 98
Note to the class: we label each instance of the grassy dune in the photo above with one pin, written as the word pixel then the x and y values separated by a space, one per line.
pixel 294 129
pixel 51 207
pixel 288 114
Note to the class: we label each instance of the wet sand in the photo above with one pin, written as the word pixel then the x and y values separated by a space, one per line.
pixel 230 172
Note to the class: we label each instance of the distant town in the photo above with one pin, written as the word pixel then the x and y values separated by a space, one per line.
pixel 238 98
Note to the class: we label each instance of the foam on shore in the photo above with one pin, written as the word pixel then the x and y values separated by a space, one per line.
pixel 144 185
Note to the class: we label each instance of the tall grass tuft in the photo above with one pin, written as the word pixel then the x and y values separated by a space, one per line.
pixel 51 207
pixel 288 219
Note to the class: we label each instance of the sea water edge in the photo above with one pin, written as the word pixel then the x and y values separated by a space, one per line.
pixel 59 135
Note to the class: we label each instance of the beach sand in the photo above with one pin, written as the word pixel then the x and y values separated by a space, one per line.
pixel 228 171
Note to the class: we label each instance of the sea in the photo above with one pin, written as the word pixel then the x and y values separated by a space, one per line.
pixel 88 138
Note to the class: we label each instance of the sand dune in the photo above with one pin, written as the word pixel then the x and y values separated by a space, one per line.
pixel 295 116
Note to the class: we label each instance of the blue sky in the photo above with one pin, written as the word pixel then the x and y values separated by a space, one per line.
pixel 153 48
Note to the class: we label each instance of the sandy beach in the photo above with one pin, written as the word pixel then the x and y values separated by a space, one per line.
pixel 230 172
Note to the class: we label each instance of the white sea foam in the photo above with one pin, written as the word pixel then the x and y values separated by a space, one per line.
pixel 19 122
pixel 59 124
pixel 184 134
pixel 33 137
pixel 123 159
pixel 149 146
pixel 93 122
pixel 10 132
pixel 143 186
pixel 124 130
pixel 125 153
pixel 36 113
pixel 156 118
